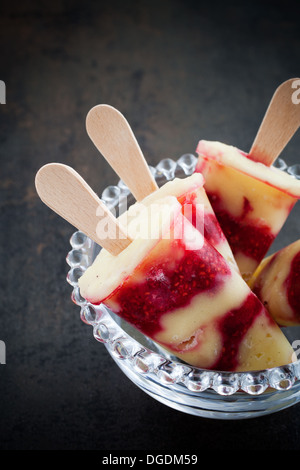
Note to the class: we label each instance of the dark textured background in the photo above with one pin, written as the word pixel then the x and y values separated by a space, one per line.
pixel 179 71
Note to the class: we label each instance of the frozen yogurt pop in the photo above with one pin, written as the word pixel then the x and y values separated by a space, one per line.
pixel 181 292
pixel 276 283
pixel 162 276
pixel 251 200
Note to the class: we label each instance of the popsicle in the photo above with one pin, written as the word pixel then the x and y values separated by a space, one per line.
pixel 276 283
pixel 174 286
pixel 181 292
pixel 113 137
pixel 251 198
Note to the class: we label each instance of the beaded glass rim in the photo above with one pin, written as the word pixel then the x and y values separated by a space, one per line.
pixel 151 361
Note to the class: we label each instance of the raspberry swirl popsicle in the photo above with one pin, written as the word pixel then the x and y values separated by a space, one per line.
pixel 276 282
pixel 251 200
pixel 177 289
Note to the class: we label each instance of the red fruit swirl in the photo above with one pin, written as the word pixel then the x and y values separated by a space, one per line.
pixel 233 326
pixel 251 238
pixel 164 285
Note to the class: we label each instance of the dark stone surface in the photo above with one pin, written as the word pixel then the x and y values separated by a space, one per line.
pixel 179 71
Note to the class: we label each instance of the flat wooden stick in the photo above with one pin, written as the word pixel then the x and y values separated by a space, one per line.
pixel 113 137
pixel 281 121
pixel 63 190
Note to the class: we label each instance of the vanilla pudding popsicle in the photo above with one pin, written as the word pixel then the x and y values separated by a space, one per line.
pixel 179 290
pixel 276 283
pixel 251 200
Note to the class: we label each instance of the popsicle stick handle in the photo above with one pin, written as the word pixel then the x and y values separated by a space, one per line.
pixel 63 190
pixel 281 121
pixel 113 137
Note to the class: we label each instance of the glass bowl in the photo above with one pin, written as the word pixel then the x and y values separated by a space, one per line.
pixel 200 392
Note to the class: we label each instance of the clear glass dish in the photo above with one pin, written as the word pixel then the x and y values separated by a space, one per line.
pixel 200 392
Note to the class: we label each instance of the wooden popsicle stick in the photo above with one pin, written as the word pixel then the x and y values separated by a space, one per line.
pixel 63 190
pixel 281 121
pixel 113 137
